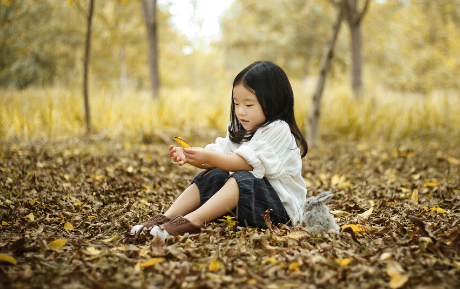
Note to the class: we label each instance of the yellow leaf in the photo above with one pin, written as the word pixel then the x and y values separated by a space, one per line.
pixel 113 238
pixel 57 244
pixel 344 262
pixel 4 223
pixel 32 201
pixel 355 227
pixel 430 184
pixel 415 196
pixel 31 216
pixel 437 209
pixel 252 281
pixel 271 260
pixel 8 259
pixel 295 266
pixel 452 160
pixel 152 262
pixel 441 210
pixel 91 251
pixel 397 274
pixel 68 226
pixel 214 266
pixel 148 187
pixel 181 142
pixel 78 204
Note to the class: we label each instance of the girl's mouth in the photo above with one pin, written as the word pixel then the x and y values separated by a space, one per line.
pixel 243 121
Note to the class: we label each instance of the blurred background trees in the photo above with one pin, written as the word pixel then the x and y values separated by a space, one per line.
pixel 42 43
pixel 410 48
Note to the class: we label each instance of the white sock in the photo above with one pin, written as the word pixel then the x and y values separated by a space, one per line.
pixel 157 231
pixel 136 228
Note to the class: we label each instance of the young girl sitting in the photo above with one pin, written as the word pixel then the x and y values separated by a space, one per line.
pixel 256 167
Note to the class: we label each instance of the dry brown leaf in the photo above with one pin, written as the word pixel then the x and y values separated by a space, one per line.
pixel 397 274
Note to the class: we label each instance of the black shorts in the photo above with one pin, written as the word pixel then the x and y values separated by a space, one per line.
pixel 256 196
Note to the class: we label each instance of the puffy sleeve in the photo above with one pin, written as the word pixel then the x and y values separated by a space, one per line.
pixel 272 152
pixel 221 145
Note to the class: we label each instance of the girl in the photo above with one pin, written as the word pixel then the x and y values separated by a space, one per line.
pixel 256 167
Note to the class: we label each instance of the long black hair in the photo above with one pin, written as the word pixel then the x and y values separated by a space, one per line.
pixel 270 84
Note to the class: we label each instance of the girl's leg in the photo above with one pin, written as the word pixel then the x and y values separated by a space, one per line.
pixel 188 201
pixel 218 205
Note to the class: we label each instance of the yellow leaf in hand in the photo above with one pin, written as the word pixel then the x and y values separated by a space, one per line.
pixel 181 142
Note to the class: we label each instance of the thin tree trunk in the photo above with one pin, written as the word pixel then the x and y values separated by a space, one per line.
pixel 354 17
pixel 356 59
pixel 313 119
pixel 149 9
pixel 85 67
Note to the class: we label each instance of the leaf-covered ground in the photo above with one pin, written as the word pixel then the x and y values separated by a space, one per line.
pixel 67 209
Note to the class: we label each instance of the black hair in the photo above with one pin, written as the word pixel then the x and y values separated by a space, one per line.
pixel 270 84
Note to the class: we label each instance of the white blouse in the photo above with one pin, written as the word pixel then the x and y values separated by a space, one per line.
pixel 274 154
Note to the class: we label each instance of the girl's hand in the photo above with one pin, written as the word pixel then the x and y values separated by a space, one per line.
pixel 177 154
pixel 195 156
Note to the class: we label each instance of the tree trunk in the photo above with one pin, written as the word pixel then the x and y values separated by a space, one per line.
pixel 313 136
pixel 85 67
pixel 356 59
pixel 354 17
pixel 149 9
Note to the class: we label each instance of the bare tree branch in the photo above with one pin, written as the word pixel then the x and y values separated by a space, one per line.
pixel 363 12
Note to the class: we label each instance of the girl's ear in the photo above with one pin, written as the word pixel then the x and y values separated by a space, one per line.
pixel 324 196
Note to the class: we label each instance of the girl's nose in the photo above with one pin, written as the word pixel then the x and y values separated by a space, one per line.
pixel 241 111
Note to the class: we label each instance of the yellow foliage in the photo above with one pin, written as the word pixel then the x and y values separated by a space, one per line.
pixel 68 226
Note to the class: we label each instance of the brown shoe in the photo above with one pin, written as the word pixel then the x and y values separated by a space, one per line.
pixel 180 226
pixel 155 221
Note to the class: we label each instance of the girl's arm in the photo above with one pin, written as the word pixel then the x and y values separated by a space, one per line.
pixel 201 158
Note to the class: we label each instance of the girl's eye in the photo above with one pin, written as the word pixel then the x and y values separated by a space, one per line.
pixel 236 104
pixel 249 105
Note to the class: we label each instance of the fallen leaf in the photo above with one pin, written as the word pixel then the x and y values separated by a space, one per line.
pixel 57 244
pixel 214 266
pixel 78 204
pixel 452 160
pixel 31 202
pixel 294 267
pixel 397 274
pixel 343 262
pixel 414 196
pixel 355 227
pixel 111 239
pixel 8 259
pixel 430 184
pixel 68 226
pixel 4 223
pixel 152 262
pixel 366 214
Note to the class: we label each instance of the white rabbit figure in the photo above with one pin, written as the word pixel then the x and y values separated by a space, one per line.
pixel 317 216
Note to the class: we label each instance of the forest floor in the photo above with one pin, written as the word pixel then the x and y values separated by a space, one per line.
pixel 67 208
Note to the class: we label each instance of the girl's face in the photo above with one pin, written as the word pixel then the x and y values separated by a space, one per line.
pixel 247 108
